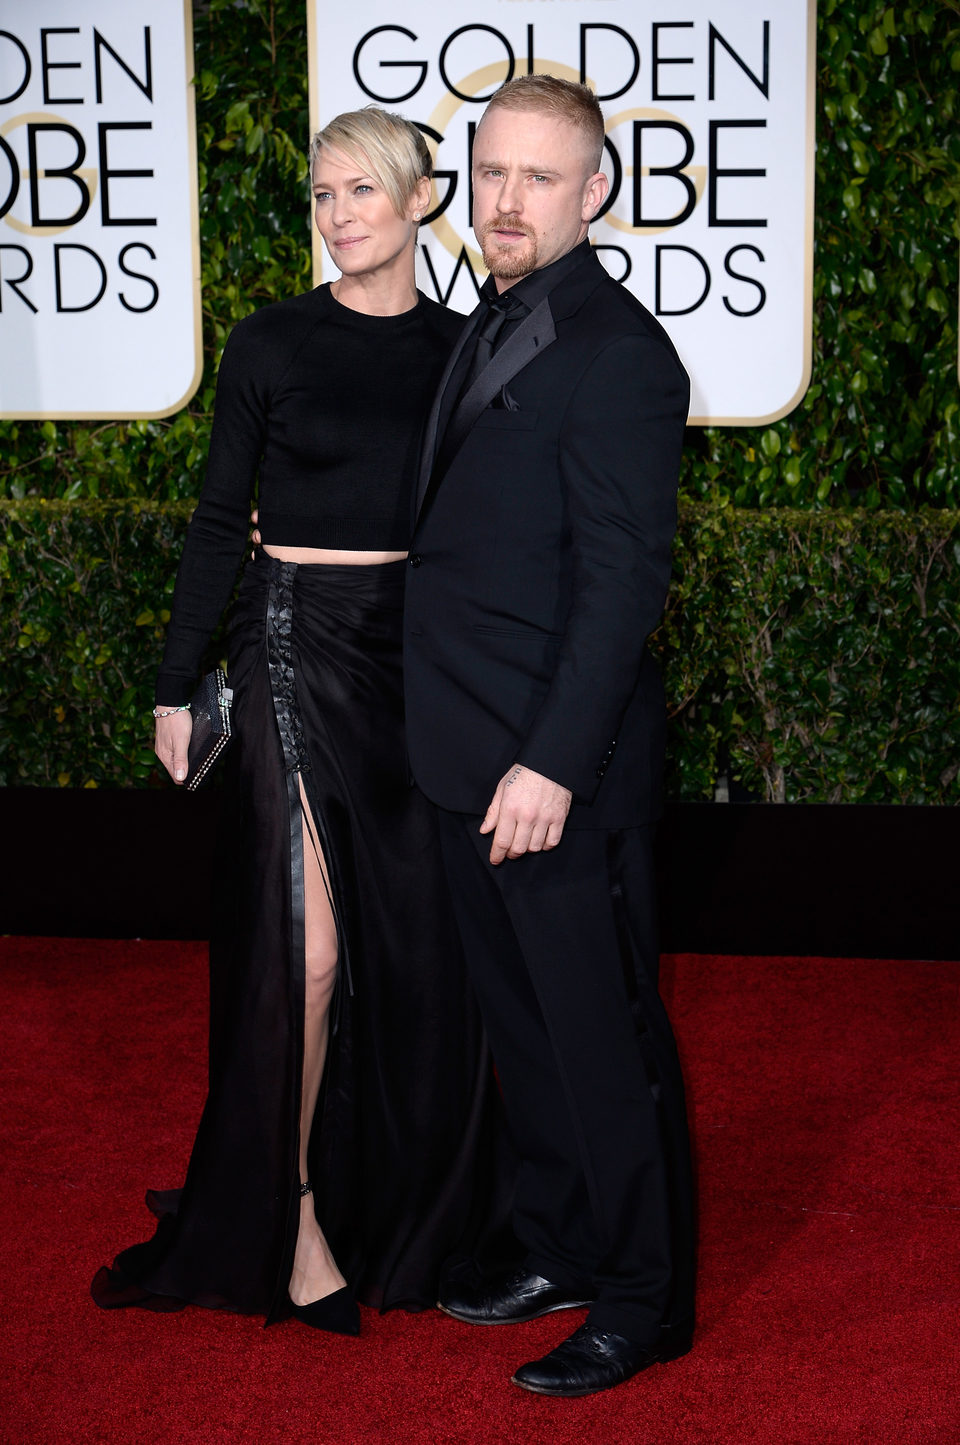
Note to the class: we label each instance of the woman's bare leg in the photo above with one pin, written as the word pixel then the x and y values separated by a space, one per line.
pixel 315 1272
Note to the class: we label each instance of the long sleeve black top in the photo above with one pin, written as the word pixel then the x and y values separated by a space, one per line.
pixel 318 417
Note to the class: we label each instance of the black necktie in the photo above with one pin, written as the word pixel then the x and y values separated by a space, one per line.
pixel 501 309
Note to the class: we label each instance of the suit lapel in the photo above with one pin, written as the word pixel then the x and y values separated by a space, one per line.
pixel 534 334
pixel 443 400
pixel 531 337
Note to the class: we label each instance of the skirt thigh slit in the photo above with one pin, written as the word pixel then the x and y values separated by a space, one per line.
pixel 406 1154
pixel 305 815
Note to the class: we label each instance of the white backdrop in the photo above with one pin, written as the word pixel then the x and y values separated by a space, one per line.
pixel 99 244
pixel 710 129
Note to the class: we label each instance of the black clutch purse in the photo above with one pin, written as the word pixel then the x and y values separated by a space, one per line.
pixel 210 710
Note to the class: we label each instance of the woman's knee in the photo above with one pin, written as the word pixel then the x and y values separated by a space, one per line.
pixel 320 964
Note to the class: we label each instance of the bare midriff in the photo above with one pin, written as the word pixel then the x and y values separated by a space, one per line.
pixel 331 556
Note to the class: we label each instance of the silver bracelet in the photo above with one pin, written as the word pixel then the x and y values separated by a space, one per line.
pixel 169 712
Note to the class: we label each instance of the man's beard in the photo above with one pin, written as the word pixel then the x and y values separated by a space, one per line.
pixel 508 263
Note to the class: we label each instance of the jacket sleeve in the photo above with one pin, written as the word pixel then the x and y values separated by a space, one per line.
pixel 217 535
pixel 619 460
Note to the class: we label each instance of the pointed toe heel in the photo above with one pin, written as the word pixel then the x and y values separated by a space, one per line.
pixel 336 1313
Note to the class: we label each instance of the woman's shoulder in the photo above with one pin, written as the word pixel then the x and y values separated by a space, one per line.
pixel 441 320
pixel 282 318
pixel 270 336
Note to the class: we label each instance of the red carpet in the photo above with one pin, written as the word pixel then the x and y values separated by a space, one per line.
pixel 825 1110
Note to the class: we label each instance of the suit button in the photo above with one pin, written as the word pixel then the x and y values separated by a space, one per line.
pixel 415 559
pixel 601 770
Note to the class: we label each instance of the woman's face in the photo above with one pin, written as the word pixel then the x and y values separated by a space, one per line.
pixel 355 216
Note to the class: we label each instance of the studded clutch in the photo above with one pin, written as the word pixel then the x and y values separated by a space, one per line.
pixel 210 710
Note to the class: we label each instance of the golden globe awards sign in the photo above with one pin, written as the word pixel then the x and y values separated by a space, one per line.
pixel 709 107
pixel 99 253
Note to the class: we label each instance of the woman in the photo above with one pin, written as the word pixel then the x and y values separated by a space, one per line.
pixel 334 959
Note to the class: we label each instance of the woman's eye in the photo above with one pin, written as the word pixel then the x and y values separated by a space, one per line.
pixel 363 189
pixel 321 195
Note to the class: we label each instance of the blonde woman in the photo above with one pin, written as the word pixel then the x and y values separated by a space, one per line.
pixel 343 1150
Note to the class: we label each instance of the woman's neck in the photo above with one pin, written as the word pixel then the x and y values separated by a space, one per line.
pixel 379 293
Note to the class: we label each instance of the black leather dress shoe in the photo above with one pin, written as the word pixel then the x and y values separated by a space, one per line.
pixel 592 1360
pixel 520 1296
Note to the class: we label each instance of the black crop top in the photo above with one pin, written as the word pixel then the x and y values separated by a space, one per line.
pixel 318 415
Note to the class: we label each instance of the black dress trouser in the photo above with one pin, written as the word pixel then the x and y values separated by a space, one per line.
pixel 562 950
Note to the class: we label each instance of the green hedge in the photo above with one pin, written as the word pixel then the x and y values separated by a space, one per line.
pixel 815 656
pixel 880 424
pixel 82 600
pixel 873 598
pixel 811 653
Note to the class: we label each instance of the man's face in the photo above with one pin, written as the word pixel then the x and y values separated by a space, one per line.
pixel 534 191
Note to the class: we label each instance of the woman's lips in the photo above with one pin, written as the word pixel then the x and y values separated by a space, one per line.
pixel 348 241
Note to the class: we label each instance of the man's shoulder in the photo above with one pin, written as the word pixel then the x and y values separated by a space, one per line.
pixel 610 327
pixel 620 313
pixel 602 309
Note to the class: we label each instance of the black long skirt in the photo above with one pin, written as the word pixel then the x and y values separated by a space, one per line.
pixel 406 1155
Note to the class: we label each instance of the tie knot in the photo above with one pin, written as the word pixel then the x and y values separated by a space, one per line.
pixel 507 302
pixel 500 309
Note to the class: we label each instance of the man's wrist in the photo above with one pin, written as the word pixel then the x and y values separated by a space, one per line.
pixel 529 768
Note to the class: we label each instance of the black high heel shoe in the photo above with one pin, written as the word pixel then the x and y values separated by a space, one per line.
pixel 335 1312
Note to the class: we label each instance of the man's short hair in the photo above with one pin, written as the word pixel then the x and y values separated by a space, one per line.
pixel 564 99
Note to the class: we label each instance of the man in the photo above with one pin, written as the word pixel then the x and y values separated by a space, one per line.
pixel 535 721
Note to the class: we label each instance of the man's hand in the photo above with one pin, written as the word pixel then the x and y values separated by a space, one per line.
pixel 526 815
pixel 255 537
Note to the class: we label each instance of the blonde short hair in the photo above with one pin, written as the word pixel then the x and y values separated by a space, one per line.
pixel 385 145
pixel 564 99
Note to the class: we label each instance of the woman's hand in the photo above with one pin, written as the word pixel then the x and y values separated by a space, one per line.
pixel 172 741
pixel 255 531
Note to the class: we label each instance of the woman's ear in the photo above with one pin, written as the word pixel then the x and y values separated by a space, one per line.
pixel 420 200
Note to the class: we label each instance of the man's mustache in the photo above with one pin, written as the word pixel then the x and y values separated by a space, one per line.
pixel 505 223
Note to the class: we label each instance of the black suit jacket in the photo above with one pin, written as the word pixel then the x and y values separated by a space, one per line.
pixel 541 558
